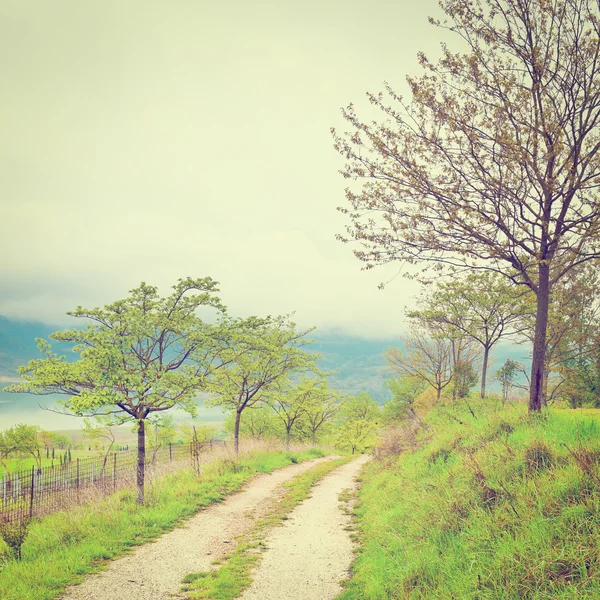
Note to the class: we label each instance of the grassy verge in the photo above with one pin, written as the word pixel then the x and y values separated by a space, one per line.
pixel 62 548
pixel 501 506
pixel 234 574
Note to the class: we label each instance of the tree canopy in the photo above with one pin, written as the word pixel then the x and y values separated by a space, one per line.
pixel 495 162
pixel 138 356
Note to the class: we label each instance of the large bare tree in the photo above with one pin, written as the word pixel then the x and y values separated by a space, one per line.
pixel 494 164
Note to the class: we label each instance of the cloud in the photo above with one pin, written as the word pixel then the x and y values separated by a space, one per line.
pixel 156 141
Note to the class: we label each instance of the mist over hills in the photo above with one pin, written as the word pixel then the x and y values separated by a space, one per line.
pixel 358 363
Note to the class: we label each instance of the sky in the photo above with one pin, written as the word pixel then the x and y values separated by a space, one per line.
pixel 150 140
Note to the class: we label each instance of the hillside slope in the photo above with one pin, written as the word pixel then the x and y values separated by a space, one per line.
pixel 501 506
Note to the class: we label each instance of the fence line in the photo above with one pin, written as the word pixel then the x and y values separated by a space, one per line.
pixel 35 492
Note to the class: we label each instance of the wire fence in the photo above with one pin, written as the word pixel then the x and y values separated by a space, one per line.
pixel 39 491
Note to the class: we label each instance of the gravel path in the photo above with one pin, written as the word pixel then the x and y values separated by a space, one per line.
pixel 155 571
pixel 310 555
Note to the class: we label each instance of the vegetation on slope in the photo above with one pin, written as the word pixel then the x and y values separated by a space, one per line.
pixel 502 505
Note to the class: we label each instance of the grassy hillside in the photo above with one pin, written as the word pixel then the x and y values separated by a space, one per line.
pixel 501 506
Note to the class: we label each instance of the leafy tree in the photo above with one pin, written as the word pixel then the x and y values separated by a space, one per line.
pixel 101 427
pixel 506 375
pixel 356 435
pixel 322 408
pixel 260 354
pixel 259 422
pixel 464 378
pixel 495 163
pixel 291 402
pixel 162 431
pixel 405 391
pixel 141 355
pixel 481 306
pixel 21 440
pixel 360 408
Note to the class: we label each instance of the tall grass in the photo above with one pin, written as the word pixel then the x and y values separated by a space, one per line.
pixel 63 547
pixel 501 506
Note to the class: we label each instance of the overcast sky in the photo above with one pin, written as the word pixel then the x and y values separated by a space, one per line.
pixel 151 140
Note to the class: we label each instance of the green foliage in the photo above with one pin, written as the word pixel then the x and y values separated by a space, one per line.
pixel 506 375
pixel 404 393
pixel 257 423
pixel 21 440
pixel 258 356
pixel 463 379
pixel 356 436
pixel 14 533
pixel 502 506
pixel 360 408
pixel 140 355
pixel 61 548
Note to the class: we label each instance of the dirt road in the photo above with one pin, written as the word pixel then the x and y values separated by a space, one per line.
pixel 310 555
pixel 155 571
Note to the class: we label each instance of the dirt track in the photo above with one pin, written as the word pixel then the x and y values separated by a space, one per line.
pixel 310 555
pixel 155 571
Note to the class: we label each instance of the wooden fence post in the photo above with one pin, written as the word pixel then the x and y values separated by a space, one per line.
pixel 115 471
pixel 170 451
pixel 77 479
pixel 32 492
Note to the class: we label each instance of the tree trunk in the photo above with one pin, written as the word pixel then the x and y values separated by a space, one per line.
pixel 536 391
pixel 314 438
pixel 141 461
pixel 486 354
pixel 236 432
pixel 288 437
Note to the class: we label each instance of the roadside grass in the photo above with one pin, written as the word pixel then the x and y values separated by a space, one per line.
pixel 501 506
pixel 64 547
pixel 234 574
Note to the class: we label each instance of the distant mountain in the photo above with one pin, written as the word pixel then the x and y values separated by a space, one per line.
pixel 358 362
pixel 17 343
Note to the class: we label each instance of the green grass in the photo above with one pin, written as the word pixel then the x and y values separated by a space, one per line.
pixel 62 548
pixel 505 506
pixel 234 573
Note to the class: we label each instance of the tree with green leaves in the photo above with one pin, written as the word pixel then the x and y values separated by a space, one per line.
pixel 21 440
pixel 482 306
pixel 494 164
pixel 101 427
pixel 162 431
pixel 138 356
pixel 405 391
pixel 290 402
pixel 322 408
pixel 358 423
pixel 507 375
pixel 260 354
pixel 259 423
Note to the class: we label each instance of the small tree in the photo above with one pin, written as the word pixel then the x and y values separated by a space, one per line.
pixel 482 306
pixel 356 436
pixel 426 359
pixel 141 355
pixel 260 353
pixel 506 375
pixel 464 379
pixel 21 440
pixel 101 428
pixel 322 408
pixel 291 402
pixel 405 391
